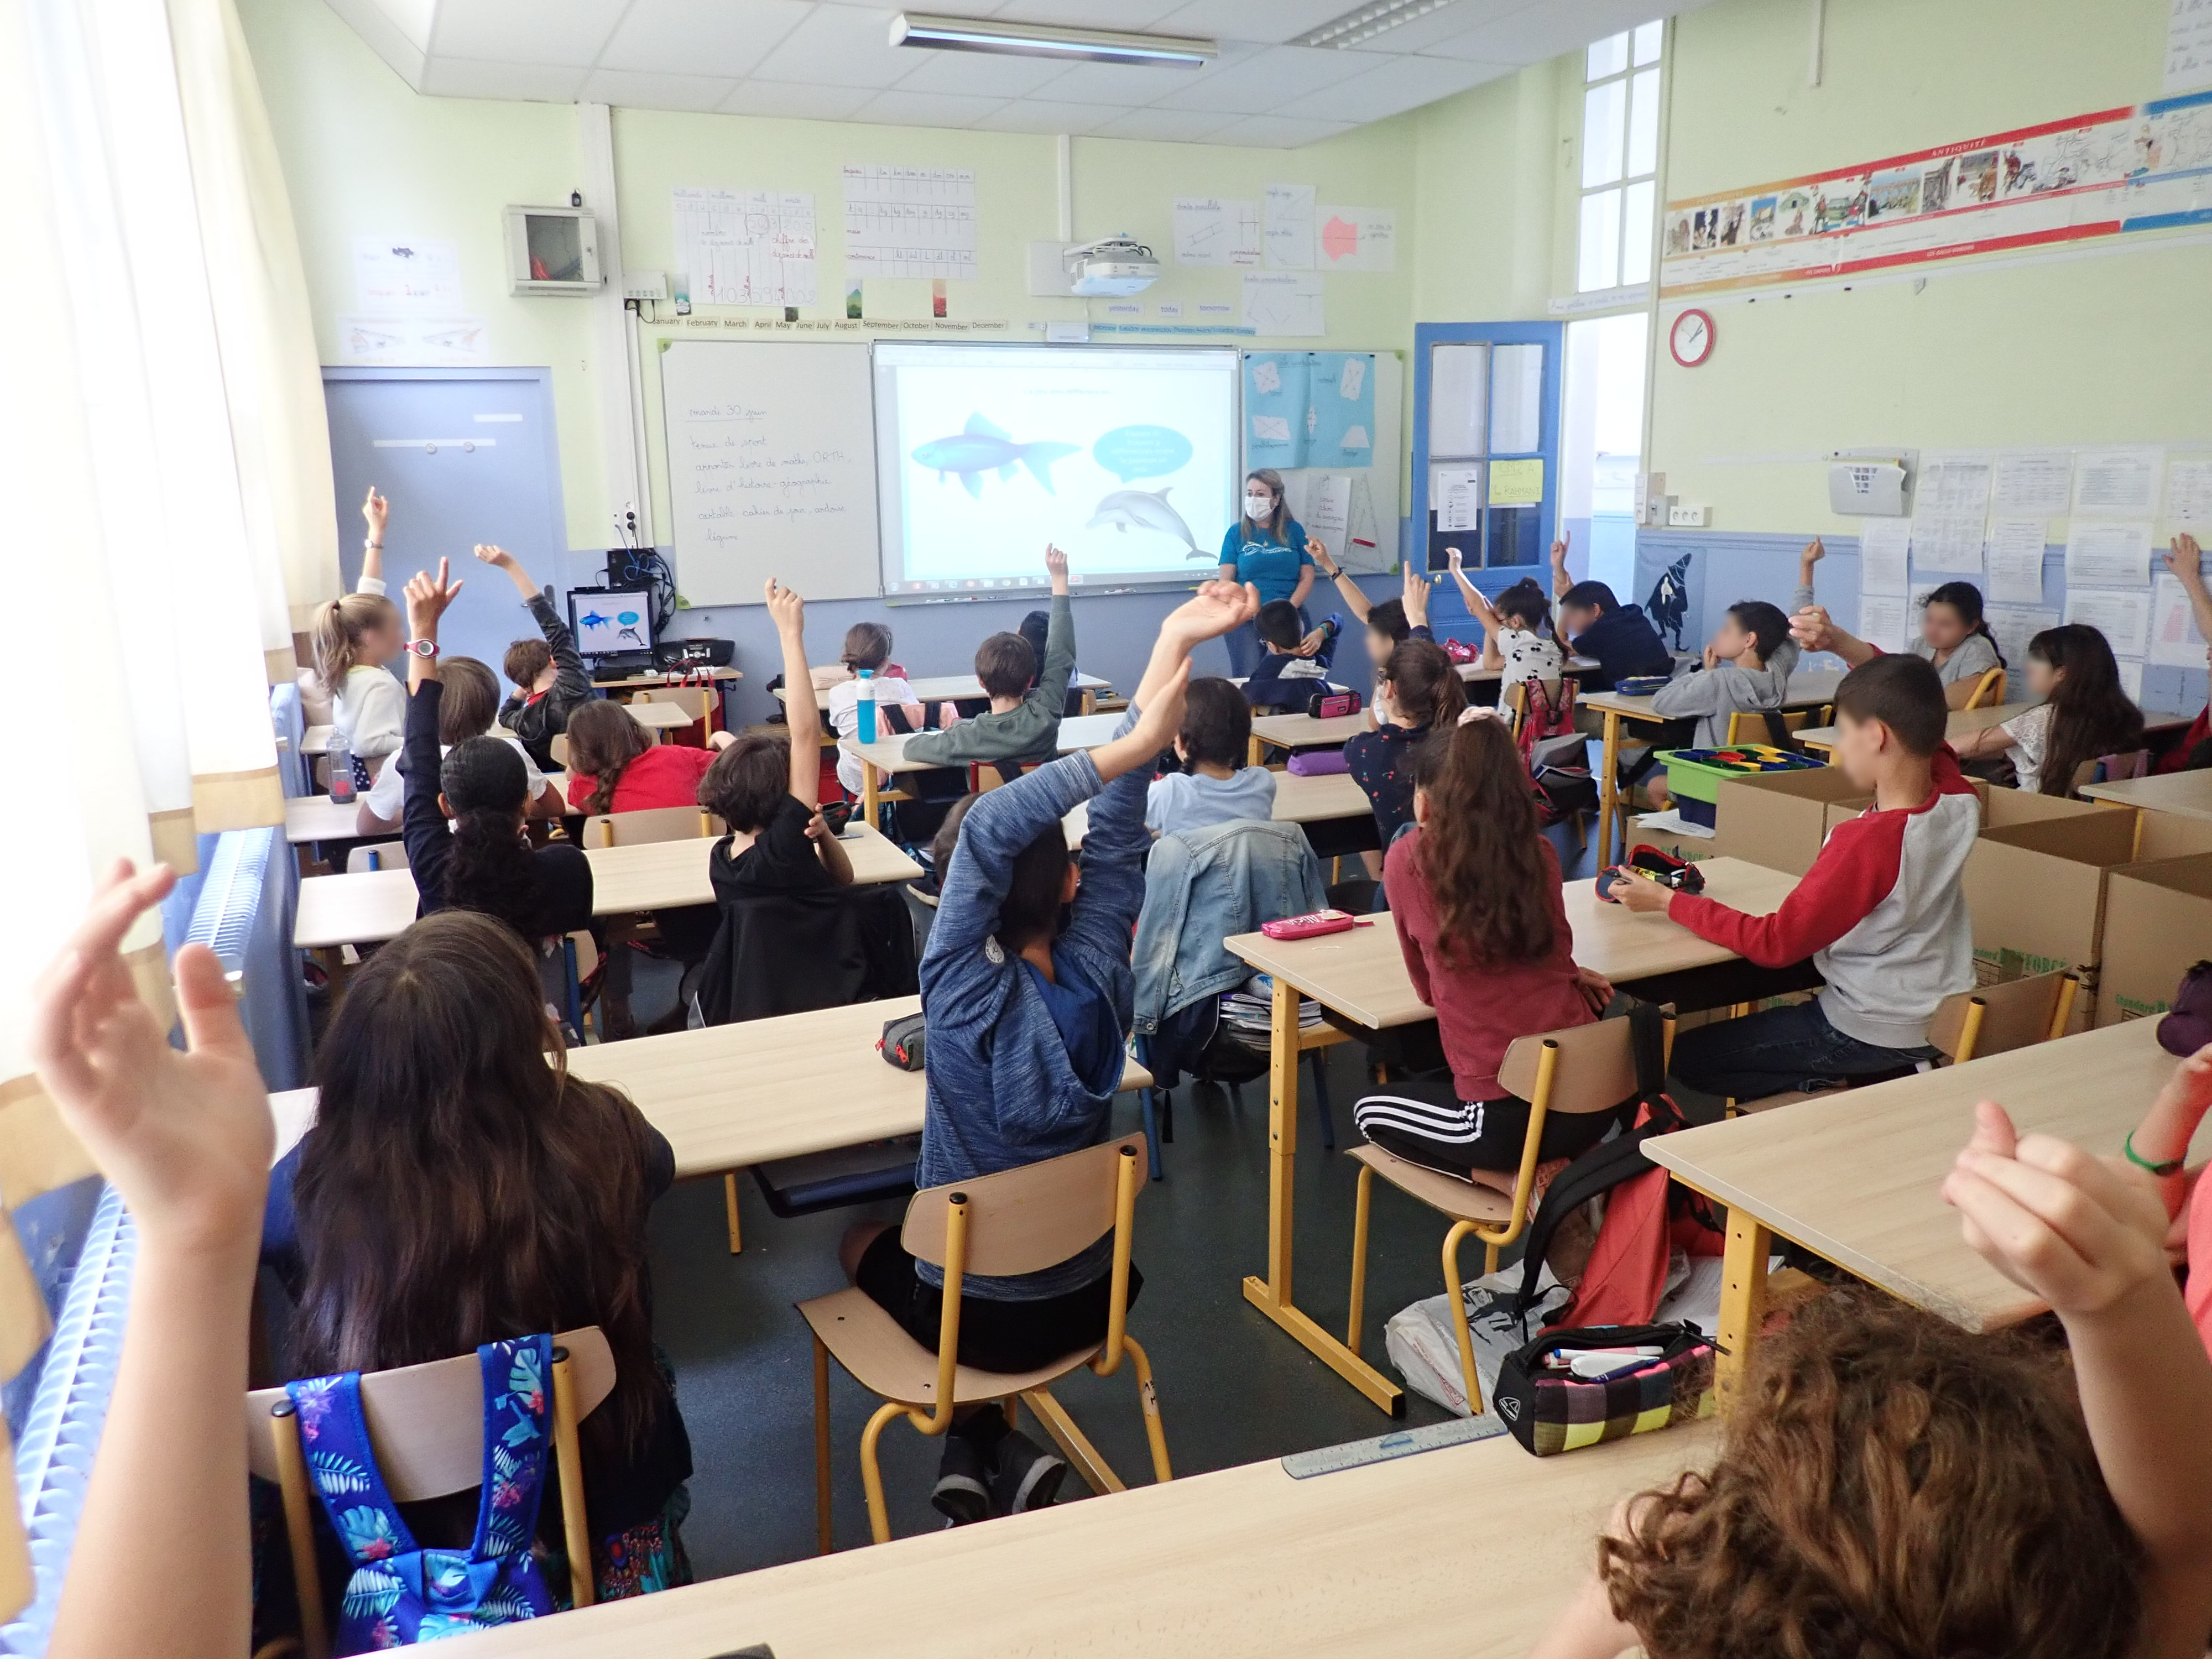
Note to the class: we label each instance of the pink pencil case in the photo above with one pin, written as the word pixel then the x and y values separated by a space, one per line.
pixel 1317 762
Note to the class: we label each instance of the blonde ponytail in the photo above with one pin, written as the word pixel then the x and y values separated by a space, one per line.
pixel 340 627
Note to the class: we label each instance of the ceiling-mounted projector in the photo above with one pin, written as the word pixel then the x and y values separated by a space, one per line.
pixel 1117 264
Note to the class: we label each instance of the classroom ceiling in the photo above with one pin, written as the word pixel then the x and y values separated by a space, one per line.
pixel 832 60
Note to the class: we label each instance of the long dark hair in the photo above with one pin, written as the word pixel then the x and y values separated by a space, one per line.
pixel 491 870
pixel 1480 847
pixel 1965 598
pixel 604 738
pixel 457 1187
pixel 1425 690
pixel 2091 713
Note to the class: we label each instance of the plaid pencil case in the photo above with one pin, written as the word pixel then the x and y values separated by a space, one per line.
pixel 1583 1385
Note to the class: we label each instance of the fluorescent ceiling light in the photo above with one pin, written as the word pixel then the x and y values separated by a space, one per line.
pixel 1364 23
pixel 913 28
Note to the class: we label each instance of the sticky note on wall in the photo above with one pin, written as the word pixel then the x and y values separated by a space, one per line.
pixel 1515 483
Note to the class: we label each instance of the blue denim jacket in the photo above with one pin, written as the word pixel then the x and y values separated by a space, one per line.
pixel 1203 886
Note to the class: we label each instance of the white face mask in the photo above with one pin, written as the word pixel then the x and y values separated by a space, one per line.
pixel 1258 507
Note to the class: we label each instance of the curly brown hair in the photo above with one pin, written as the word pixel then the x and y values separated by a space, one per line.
pixel 1892 1487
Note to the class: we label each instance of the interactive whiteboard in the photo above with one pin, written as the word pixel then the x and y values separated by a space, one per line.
pixel 771 468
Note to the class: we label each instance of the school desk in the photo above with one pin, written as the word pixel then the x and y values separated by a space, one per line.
pixel 315 740
pixel 1361 973
pixel 1962 723
pixel 1319 799
pixel 1853 1177
pixel 1304 732
pixel 955 688
pixel 1245 1562
pixel 886 756
pixel 2185 794
pixel 378 904
pixel 660 716
pixel 1806 691
pixel 317 818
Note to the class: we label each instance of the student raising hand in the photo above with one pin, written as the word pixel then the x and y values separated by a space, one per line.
pixel 375 511
pixel 1055 564
pixel 2086 1235
pixel 185 1136
pixel 428 597
pixel 1414 596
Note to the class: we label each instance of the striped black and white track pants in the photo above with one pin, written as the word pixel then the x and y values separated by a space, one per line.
pixel 1427 1123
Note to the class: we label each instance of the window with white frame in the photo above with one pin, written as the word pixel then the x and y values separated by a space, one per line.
pixel 1620 159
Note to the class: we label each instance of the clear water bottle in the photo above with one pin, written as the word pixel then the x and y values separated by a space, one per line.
pixel 868 704
pixel 341 760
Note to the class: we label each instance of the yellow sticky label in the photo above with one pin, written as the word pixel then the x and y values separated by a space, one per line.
pixel 1517 483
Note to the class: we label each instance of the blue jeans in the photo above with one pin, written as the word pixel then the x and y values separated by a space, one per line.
pixel 1245 649
pixel 1779 1049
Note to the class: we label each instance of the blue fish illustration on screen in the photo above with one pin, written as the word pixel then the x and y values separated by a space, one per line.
pixel 981 448
pixel 593 619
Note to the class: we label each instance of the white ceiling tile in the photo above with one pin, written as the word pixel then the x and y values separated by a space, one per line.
pixel 1132 84
pixel 1547 30
pixel 1252 20
pixel 976 74
pixel 1046 115
pixel 634 89
pixel 1393 85
pixel 839 47
pixel 1456 19
pixel 797 101
pixel 1272 79
pixel 900 108
pixel 1176 126
pixel 1129 15
pixel 1277 131
pixel 677 37
pixel 524 31
pixel 464 77
pixel 387 36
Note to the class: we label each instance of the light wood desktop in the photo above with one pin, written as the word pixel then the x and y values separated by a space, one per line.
pixel 1962 723
pixel 948 688
pixel 1472 671
pixel 886 756
pixel 317 818
pixel 1304 732
pixel 378 904
pixel 1318 800
pixel 1853 1177
pixel 1243 1563
pixel 660 716
pixel 1361 973
pixel 2185 794
pixel 1806 691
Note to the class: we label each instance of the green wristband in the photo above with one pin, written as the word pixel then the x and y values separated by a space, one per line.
pixel 2172 1167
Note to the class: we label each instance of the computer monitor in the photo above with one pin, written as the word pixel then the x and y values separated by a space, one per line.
pixel 611 622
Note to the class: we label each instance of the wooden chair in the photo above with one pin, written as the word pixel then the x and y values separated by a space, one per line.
pixel 385 855
pixel 557 746
pixel 2112 769
pixel 1989 691
pixel 1584 1068
pixel 1750 726
pixel 654 824
pixel 1019 1221
pixel 425 1424
pixel 1995 1019
pixel 696 701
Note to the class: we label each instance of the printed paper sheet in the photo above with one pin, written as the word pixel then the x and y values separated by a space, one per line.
pixel 2116 483
pixel 1357 238
pixel 2015 626
pixel 2107 554
pixel 2123 617
pixel 1287 227
pixel 2016 561
pixel 1287 303
pixel 1885 554
pixel 1950 503
pixel 910 221
pixel 2189 491
pixel 406 277
pixel 1882 619
pixel 2188 46
pixel 2034 482
pixel 746 248
pixel 2174 641
pixel 1214 230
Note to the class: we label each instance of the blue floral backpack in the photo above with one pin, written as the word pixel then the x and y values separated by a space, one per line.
pixel 400 1593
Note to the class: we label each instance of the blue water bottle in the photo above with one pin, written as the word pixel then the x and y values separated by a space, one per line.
pixel 868 704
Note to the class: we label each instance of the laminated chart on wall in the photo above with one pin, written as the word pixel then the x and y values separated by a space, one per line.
pixel 910 221
pixel 1309 408
pixel 1214 230
pixel 2142 167
pixel 746 248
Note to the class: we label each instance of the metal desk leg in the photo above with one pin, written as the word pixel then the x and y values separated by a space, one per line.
pixel 1608 788
pixel 1743 1302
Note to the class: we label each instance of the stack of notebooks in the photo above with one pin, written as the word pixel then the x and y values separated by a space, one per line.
pixel 1251 1007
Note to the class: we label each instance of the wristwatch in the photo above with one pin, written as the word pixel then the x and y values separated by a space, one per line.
pixel 424 648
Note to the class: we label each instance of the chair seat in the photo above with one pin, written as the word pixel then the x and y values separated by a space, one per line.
pixel 889 1363
pixel 1462 1201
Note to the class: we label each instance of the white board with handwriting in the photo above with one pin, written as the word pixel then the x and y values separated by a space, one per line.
pixel 771 469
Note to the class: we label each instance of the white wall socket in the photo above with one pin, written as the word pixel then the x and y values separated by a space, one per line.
pixel 1690 518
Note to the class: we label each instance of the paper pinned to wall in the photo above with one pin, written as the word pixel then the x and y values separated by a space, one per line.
pixel 2131 676
pixel 1456 497
pixel 1216 230
pixel 1882 620
pixel 2101 554
pixel 746 248
pixel 2189 486
pixel 2015 626
pixel 2174 641
pixel 2034 483
pixel 1517 483
pixel 1357 238
pixel 406 277
pixel 1950 503
pixel 414 341
pixel 1285 303
pixel 2016 561
pixel 2188 46
pixel 2116 483
pixel 1885 554
pixel 2123 617
pixel 1328 511
pixel 910 221
pixel 1351 376
pixel 1286 227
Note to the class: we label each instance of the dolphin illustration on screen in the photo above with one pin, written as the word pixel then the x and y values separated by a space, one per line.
pixel 981 448
pixel 1147 510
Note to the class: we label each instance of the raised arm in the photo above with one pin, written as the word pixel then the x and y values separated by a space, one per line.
pixel 571 679
pixel 1354 601
pixel 788 611
pixel 1414 597
pixel 1814 551
pixel 376 510
pixel 829 849
pixel 1483 610
pixel 1059 637
pixel 2185 559
pixel 2088 1237
pixel 2164 1135
pixel 1560 581
pixel 1813 630
pixel 500 559
pixel 421 822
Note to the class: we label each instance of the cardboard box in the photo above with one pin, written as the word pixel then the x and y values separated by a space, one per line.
pixel 2001 808
pixel 2158 922
pixel 2037 893
pixel 2170 836
pixel 1780 820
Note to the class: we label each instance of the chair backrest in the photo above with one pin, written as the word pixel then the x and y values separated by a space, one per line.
pixel 426 1421
pixel 1595 1072
pixel 2014 1013
pixel 1989 691
pixel 1021 1221
pixel 1751 725
pixel 385 855
pixel 696 701
pixel 1556 696
pixel 654 824
pixel 2113 768
pixel 557 746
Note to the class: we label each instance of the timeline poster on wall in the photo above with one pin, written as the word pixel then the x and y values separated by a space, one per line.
pixel 1287 226
pixel 2116 483
pixel 1215 230
pixel 746 248
pixel 910 221
pixel 1885 549
pixel 2016 561
pixel 2035 483
pixel 2107 554
pixel 1950 504
pixel 2174 641
pixel 1357 238
pixel 2122 616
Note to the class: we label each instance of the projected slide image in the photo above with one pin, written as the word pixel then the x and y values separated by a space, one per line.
pixel 1124 459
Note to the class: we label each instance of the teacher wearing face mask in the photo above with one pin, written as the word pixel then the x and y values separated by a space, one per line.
pixel 1267 547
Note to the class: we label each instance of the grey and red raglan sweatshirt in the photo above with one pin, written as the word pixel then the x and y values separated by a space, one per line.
pixel 1881 913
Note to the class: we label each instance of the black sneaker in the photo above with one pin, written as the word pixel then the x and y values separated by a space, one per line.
pixel 1024 1476
pixel 962 1496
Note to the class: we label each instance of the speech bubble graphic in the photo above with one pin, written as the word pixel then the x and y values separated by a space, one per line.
pixel 1142 452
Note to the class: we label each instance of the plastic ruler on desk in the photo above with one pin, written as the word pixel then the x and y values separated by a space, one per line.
pixel 1400 1443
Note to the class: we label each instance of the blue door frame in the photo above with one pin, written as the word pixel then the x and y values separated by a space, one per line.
pixel 1551 336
